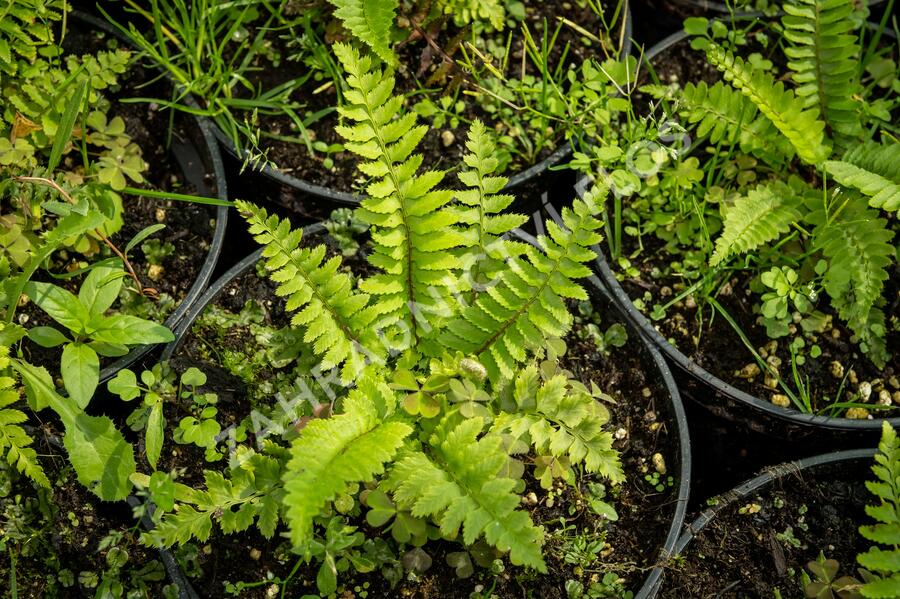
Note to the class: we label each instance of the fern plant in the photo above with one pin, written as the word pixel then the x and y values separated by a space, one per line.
pixel 883 559
pixel 446 392
pixel 14 441
pixel 26 32
pixel 819 200
pixel 370 21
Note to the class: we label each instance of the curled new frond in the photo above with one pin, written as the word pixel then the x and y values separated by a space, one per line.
pixel 352 447
pixel 413 232
pixel 873 169
pixel 526 306
pixel 755 219
pixel 800 125
pixel 461 486
pixel 858 246
pixel 824 59
pixel 339 322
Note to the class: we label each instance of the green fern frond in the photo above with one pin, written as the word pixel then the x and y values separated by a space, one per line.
pixel 370 21
pixel 873 169
pixel 726 114
pixel 26 28
pixel 461 486
pixel 331 453
pixel 560 418
pixel 14 441
pixel 824 59
pixel 800 125
pixel 338 320
pixel 885 562
pixel 413 233
pixel 755 219
pixel 857 245
pixel 526 305
pixel 486 251
pixel 251 493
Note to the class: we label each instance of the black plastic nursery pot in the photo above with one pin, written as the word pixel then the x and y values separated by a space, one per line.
pixel 758 536
pixel 722 398
pixel 548 181
pixel 194 149
pixel 664 405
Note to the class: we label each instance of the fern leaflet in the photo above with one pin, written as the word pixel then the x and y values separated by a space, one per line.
pixel 560 418
pixel 525 306
pixel 885 562
pixel 873 169
pixel 370 21
pixel 14 441
pixel 823 57
pixel 755 219
pixel 461 486
pixel 485 250
pixel 723 113
pixel 413 233
pixel 331 453
pixel 801 126
pixel 338 320
pixel 857 245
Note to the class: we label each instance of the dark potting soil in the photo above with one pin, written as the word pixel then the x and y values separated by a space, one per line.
pixel 713 344
pixel 762 542
pixel 639 421
pixel 188 227
pixel 442 147
pixel 64 528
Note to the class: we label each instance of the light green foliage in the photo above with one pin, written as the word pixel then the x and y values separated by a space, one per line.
pixel 37 101
pixel 417 432
pixel 725 114
pixel 348 448
pixel 884 558
pixel 339 321
pixel 484 210
pixel 563 422
pixel 823 57
pixel 412 230
pixel 857 244
pixel 526 306
pixel 14 441
pixel 26 31
pixel 873 169
pixel 761 216
pixel 250 493
pixel 93 332
pixel 460 486
pixel 464 12
pixel 800 125
pixel 371 22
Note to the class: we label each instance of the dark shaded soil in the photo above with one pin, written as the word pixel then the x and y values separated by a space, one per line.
pixel 188 227
pixel 417 63
pixel 639 416
pixel 712 343
pixel 65 527
pixel 741 555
